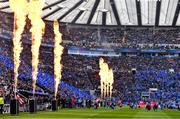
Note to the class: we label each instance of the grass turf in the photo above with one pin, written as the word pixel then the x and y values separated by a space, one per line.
pixel 125 113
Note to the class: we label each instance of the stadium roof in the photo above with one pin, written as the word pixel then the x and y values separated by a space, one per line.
pixel 111 12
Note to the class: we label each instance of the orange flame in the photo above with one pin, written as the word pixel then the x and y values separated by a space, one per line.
pixel 111 81
pixel 107 79
pixel 19 7
pixel 58 51
pixel 37 30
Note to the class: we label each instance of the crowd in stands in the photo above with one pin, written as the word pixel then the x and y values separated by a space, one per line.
pixel 125 81
pixel 80 73
pixel 99 37
pixel 45 83
pixel 138 38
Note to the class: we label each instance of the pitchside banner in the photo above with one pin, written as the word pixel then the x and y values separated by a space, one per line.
pixel 6 109
pixel 114 52
pixel 143 104
pixel 153 103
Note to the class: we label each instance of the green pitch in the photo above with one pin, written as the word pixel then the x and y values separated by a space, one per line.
pixel 125 113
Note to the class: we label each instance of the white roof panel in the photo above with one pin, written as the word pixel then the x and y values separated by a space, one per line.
pixel 126 11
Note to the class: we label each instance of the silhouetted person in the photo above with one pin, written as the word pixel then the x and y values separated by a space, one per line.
pixel 155 107
pixel 148 107
pixel 1 104
pixel 63 102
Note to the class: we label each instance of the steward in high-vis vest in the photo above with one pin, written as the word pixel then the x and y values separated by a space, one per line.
pixel 1 104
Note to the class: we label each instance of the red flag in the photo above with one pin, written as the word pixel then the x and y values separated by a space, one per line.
pixel 21 101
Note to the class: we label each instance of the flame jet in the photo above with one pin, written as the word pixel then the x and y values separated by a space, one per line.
pixel 107 79
pixel 19 7
pixel 102 76
pixel 37 31
pixel 111 81
pixel 58 51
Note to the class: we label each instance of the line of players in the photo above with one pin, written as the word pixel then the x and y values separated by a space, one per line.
pixel 98 103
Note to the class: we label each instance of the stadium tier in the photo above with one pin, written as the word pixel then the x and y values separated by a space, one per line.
pixel 90 59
